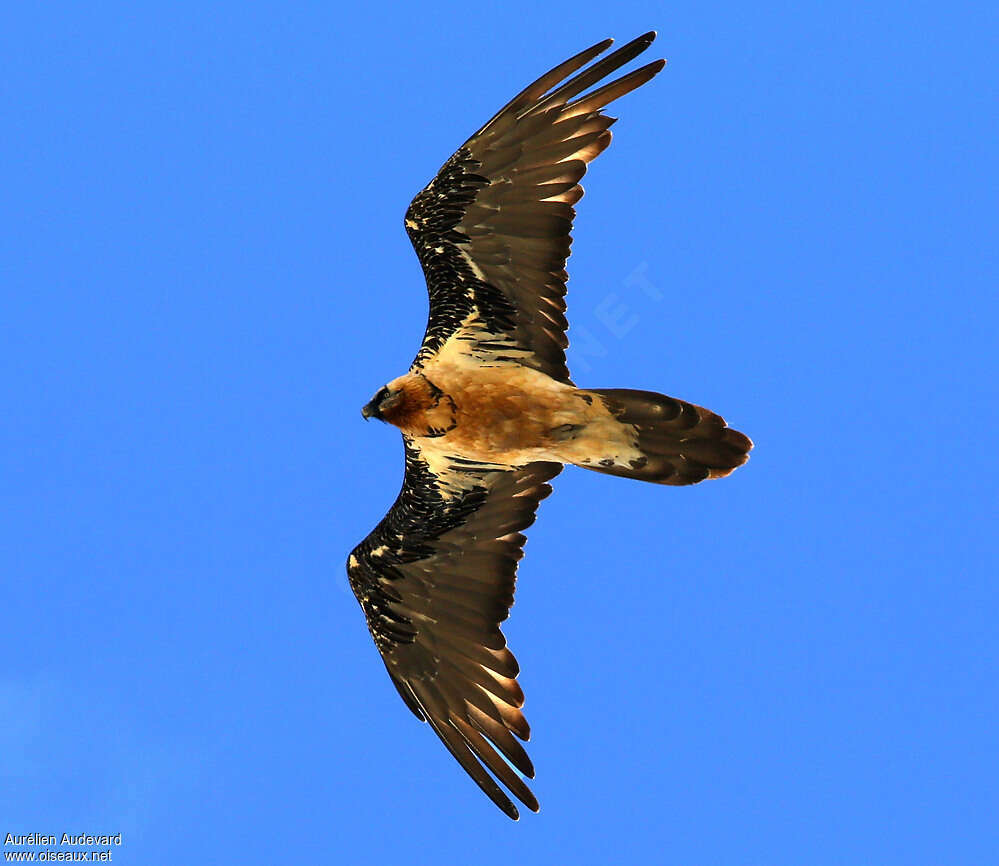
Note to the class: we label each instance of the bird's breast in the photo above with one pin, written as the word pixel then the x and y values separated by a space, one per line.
pixel 505 414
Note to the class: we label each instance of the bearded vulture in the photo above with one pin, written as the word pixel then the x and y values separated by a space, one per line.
pixel 489 415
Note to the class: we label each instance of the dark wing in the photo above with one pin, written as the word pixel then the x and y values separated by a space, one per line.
pixel 435 579
pixel 492 230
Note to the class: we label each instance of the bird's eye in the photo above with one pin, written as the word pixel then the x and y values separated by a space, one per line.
pixel 381 396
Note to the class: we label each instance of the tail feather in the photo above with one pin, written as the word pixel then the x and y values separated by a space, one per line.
pixel 680 443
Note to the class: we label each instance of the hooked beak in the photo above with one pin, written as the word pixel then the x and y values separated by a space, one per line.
pixel 370 411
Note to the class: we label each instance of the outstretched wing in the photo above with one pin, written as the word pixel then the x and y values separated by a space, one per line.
pixel 493 229
pixel 435 579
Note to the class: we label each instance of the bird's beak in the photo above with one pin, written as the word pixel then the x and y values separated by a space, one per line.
pixel 369 411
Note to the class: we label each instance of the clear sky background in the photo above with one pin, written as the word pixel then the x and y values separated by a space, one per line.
pixel 204 277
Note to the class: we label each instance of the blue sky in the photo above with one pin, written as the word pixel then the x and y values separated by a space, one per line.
pixel 205 276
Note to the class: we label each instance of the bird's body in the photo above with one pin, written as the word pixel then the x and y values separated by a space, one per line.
pixel 489 415
pixel 507 416
pixel 511 415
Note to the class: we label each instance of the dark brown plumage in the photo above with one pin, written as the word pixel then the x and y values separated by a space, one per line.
pixel 489 415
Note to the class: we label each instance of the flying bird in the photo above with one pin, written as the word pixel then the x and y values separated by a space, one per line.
pixel 489 415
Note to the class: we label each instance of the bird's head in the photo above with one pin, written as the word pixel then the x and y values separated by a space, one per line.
pixel 384 401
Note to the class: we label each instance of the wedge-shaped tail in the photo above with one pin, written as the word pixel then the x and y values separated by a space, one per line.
pixel 678 442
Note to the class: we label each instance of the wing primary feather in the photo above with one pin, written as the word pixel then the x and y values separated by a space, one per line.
pixel 589 77
pixel 485 752
pixel 497 688
pixel 615 89
pixel 547 81
pixel 501 662
pixel 504 741
pixel 437 715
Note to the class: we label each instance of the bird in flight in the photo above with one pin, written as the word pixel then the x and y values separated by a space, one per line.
pixel 489 415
